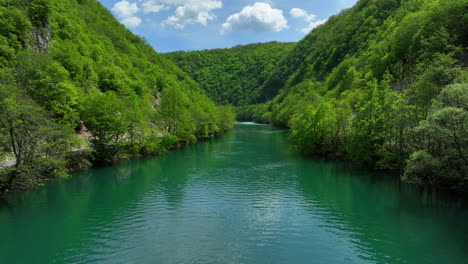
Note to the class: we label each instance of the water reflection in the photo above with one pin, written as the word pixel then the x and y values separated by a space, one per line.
pixel 241 198
pixel 389 222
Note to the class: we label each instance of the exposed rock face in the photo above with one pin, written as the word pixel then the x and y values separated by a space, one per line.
pixel 41 38
pixel 157 100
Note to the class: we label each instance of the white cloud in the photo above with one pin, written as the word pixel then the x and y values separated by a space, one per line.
pixel 301 13
pixel 152 6
pixel 259 17
pixel 132 21
pixel 127 11
pixel 174 2
pixel 192 12
pixel 312 25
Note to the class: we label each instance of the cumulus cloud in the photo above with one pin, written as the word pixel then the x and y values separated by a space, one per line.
pixel 132 21
pixel 259 17
pixel 153 6
pixel 125 8
pixel 174 2
pixel 310 18
pixel 192 12
pixel 127 11
pixel 301 13
pixel 312 25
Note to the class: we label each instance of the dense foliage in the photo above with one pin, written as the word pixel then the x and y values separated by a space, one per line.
pixel 69 66
pixel 383 84
pixel 232 76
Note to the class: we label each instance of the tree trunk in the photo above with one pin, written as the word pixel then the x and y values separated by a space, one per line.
pixel 11 177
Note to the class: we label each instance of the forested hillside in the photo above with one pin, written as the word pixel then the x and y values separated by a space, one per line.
pixel 77 87
pixel 232 76
pixel 383 84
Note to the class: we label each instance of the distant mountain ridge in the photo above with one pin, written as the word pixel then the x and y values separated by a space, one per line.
pixel 233 75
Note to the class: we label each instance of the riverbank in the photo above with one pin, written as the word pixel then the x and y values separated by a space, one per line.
pixel 411 168
pixel 78 160
pixel 244 197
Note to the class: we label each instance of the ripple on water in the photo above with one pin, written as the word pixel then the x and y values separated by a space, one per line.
pixel 242 198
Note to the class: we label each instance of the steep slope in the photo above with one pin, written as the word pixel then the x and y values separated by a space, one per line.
pixel 70 65
pixel 383 84
pixel 390 32
pixel 232 76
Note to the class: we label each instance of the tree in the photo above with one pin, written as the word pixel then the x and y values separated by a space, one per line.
pixel 90 68
pixel 39 145
pixel 49 84
pixel 138 115
pixel 226 118
pixel 313 131
pixel 444 141
pixel 39 11
pixel 232 76
pixel 173 113
pixel 371 126
pixel 104 116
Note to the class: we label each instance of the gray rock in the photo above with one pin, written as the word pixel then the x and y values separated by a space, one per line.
pixel 41 37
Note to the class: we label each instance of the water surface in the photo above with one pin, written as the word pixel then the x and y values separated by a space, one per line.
pixel 242 198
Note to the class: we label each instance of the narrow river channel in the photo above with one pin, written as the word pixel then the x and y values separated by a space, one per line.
pixel 245 197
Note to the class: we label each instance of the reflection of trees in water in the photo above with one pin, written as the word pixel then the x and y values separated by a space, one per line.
pixel 126 181
pixel 380 215
pixel 4 204
pixel 375 213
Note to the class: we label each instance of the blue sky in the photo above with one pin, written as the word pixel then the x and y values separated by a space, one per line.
pixel 171 25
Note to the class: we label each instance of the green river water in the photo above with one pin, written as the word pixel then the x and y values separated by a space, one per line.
pixel 245 197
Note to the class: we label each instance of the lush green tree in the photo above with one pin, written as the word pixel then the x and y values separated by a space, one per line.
pixel 70 61
pixel 39 146
pixel 362 86
pixel 206 116
pixel 370 126
pixel 104 116
pixel 443 148
pixel 226 118
pixel 232 76
pixel 313 130
pixel 173 113
pixel 139 117
pixel 38 11
pixel 373 84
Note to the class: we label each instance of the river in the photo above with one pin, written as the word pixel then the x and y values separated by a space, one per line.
pixel 244 197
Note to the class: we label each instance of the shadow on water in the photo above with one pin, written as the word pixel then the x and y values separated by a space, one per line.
pixel 4 204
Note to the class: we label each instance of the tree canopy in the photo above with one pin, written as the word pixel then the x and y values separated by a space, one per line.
pixel 378 84
pixel 366 86
pixel 69 71
pixel 232 76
